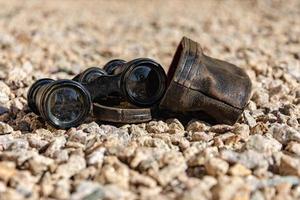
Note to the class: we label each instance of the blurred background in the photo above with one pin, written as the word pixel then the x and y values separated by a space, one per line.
pixel 63 37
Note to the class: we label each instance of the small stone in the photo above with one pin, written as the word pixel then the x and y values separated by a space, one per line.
pixel 112 191
pixel 259 128
pixel 78 136
pixel 61 189
pixel 249 158
pixel 257 195
pixel 36 141
pixel 239 170
pixel 174 165
pixel 88 190
pixel 175 126
pixel 260 97
pixel 242 130
pixel 157 127
pixel 249 119
pixel 181 142
pixel 24 183
pixel 61 156
pixel 263 144
pixel 147 192
pixel 225 136
pixel 5 141
pixel 221 128
pixel 201 136
pixel 38 164
pixel 7 171
pixel 216 167
pixel 284 133
pixel 5 128
pixel 257 184
pixel 231 188
pixel 92 127
pixel 201 156
pixel 140 179
pixel 55 145
pixel 289 166
pixel 283 188
pixel 137 131
pixel 115 172
pixel 198 192
pixel 294 147
pixel 197 126
pixel 96 156
pixel 73 166
pixel 107 129
pixel 19 144
pixel 17 104
pixel 44 134
pixel 4 93
pixel 3 187
pixel 47 184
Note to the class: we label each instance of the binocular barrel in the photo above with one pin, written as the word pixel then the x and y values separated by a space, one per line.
pixel 142 82
pixel 62 103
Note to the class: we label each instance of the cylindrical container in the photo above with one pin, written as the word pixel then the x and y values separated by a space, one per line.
pixel 203 87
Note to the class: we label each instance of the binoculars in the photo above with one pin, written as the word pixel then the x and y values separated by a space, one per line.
pixel 66 103
pixel 196 86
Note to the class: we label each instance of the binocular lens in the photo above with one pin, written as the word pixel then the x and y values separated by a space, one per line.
pixel 62 103
pixel 145 84
pixel 65 105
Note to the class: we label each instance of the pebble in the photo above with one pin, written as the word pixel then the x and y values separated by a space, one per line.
pixel 284 133
pixel 73 166
pixel 260 97
pixel 5 128
pixel 220 128
pixel 249 119
pixel 7 171
pixel 216 167
pixel 201 136
pixel 230 188
pixel 5 141
pixel 293 147
pixel 96 156
pixel 55 145
pixel 157 127
pixel 263 144
pixel 242 130
pixel 289 165
pixel 239 170
pixel 4 93
pixel 249 158
pixel 88 190
pixel 197 126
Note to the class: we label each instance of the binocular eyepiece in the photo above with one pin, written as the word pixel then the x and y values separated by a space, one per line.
pixel 66 103
pixel 142 82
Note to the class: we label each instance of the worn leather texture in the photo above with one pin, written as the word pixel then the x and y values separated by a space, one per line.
pixel 200 85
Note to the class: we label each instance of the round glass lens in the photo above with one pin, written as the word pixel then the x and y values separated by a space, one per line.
pixel 66 104
pixel 143 84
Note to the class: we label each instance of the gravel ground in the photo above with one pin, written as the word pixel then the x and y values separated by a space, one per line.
pixel 257 158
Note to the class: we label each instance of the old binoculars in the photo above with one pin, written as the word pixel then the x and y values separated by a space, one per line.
pixel 196 86
pixel 66 103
